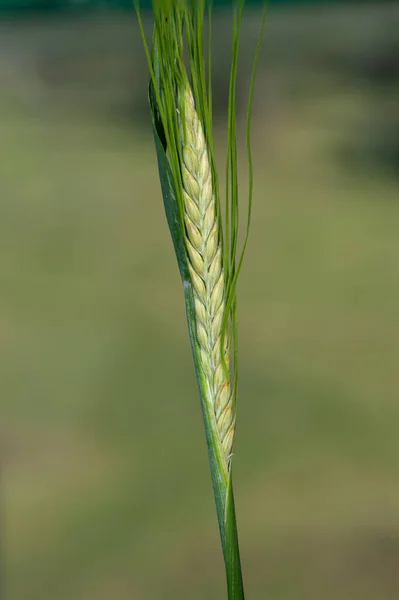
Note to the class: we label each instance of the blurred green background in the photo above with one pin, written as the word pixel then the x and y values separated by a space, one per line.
pixel 106 487
pixel 56 5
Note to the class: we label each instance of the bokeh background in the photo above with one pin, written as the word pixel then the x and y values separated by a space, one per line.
pixel 106 490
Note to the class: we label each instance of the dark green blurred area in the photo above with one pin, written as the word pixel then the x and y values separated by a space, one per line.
pixel 106 488
pixel 57 5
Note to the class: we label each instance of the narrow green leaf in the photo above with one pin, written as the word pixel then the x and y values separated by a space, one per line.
pixel 170 202
pixel 235 586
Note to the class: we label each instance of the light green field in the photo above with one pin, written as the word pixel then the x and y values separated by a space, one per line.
pixel 107 489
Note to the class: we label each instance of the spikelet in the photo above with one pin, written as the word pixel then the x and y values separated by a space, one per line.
pixel 204 252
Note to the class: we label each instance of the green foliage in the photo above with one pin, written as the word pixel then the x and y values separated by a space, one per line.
pixel 57 5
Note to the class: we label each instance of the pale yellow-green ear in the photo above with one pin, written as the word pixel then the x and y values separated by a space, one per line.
pixel 206 244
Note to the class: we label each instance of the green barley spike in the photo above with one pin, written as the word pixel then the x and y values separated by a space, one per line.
pixel 180 102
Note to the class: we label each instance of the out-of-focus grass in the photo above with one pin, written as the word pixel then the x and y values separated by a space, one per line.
pixel 107 490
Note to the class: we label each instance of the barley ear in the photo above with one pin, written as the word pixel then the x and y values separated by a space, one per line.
pixel 205 255
pixel 205 242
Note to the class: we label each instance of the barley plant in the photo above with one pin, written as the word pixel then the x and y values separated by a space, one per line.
pixel 204 230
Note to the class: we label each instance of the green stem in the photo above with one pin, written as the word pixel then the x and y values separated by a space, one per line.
pixel 222 485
